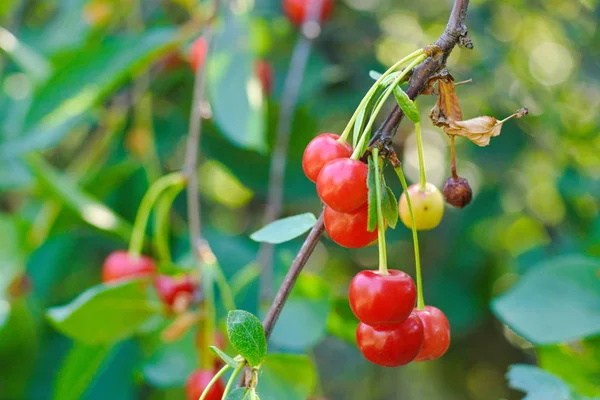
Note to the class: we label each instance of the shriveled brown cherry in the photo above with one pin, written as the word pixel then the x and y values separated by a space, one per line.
pixel 349 229
pixel 379 300
pixel 457 192
pixel 342 184
pixel 320 151
pixel 392 345
pixel 121 265
pixel 436 330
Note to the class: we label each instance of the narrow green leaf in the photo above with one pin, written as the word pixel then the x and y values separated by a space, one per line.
pixel 247 336
pixel 375 75
pixel 285 229
pixel 232 363
pixel 79 369
pixel 390 207
pixel 64 189
pixel 372 218
pixel 237 394
pixel 30 62
pixel 104 314
pixel 407 105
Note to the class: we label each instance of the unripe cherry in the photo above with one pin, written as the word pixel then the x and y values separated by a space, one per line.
pixel 457 192
pixel 427 205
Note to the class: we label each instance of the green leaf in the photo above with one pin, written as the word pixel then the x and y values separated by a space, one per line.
pixel 372 217
pixel 237 394
pixel 79 369
pixel 287 376
pixel 64 189
pixel 247 336
pixel 556 301
pixel 169 364
pixel 407 105
pixel 104 314
pixel 341 321
pixel 232 363
pixel 303 320
pixel 539 384
pixel 233 88
pixel 285 229
pixel 30 62
pixel 390 207
pixel 12 259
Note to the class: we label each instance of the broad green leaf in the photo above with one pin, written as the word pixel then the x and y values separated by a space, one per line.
pixel 228 360
pixel 556 301
pixel 390 207
pixel 285 229
pixel 79 369
pixel 234 89
pixel 104 314
pixel 64 189
pixel 539 384
pixel 247 336
pixel 30 62
pixel 286 376
pixel 371 179
pixel 303 320
pixel 237 394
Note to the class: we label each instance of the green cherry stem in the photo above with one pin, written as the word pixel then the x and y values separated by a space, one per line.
pixel 423 177
pixel 141 220
pixel 383 270
pixel 214 380
pixel 358 150
pixel 371 91
pixel 420 300
pixel 161 222
pixel 233 378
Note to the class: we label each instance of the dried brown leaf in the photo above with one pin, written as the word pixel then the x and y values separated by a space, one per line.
pixel 481 129
pixel 447 107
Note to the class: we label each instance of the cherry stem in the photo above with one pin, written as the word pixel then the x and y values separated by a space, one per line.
pixel 423 177
pixel 141 220
pixel 344 137
pixel 420 300
pixel 453 158
pixel 233 378
pixel 358 150
pixel 214 380
pixel 161 222
pixel 210 313
pixel 383 270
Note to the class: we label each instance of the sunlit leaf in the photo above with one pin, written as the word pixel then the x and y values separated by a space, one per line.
pixel 247 336
pixel 285 229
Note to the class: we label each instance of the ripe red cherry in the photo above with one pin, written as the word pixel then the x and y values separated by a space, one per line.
pixel 120 265
pixel 198 53
pixel 342 184
pixel 320 151
pixel 296 10
pixel 392 345
pixel 264 73
pixel 198 381
pixel 170 288
pixel 436 333
pixel 349 230
pixel 379 300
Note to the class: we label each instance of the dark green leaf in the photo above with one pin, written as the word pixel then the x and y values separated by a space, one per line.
pixel 233 88
pixel 237 394
pixel 90 210
pixel 303 320
pixel 79 369
pixel 371 179
pixel 286 376
pixel 534 310
pixel 285 229
pixel 390 207
pixel 247 336
pixel 232 363
pixel 104 314
pixel 539 384
pixel 407 105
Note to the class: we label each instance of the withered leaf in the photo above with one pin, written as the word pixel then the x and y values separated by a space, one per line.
pixel 481 129
pixel 447 107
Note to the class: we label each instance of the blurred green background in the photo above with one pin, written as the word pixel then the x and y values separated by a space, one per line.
pixel 94 104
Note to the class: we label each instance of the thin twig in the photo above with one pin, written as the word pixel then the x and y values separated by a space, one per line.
pixel 293 82
pixel 455 33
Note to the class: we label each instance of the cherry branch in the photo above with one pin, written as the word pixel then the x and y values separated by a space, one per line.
pixel 454 34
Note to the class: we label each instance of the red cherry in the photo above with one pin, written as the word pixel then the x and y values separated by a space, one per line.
pixel 264 72
pixel 379 299
pixel 296 10
pixel 169 288
pixel 198 381
pixel 320 151
pixel 120 265
pixel 392 345
pixel 349 230
pixel 436 331
pixel 342 184
pixel 198 53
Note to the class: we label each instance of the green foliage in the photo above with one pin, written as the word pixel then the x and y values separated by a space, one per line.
pixel 237 394
pixel 539 384
pixel 105 314
pixel 228 360
pixel 285 229
pixel 371 182
pixel 247 336
pixel 286 376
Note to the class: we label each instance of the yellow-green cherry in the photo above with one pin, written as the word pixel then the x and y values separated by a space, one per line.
pixel 427 204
